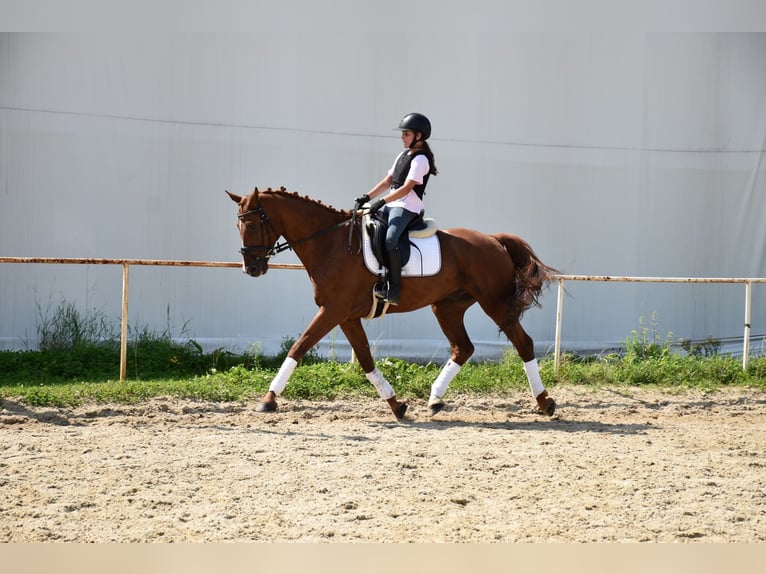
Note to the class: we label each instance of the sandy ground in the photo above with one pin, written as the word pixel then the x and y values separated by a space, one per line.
pixel 612 465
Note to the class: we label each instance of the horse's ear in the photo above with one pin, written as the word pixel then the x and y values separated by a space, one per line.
pixel 235 198
pixel 252 199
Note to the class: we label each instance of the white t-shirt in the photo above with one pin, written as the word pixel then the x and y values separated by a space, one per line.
pixel 419 167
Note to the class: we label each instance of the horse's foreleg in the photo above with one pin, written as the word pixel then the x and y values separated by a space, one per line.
pixel 526 349
pixel 450 315
pixel 320 325
pixel 356 336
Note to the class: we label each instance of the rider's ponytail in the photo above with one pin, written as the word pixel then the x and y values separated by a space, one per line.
pixel 430 155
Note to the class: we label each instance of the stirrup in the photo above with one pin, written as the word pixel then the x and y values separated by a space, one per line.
pixel 393 294
pixel 380 291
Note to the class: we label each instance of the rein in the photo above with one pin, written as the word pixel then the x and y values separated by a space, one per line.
pixel 284 246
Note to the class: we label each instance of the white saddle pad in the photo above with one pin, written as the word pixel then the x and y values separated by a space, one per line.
pixel 425 256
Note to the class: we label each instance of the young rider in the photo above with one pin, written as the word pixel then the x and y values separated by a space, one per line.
pixel 401 192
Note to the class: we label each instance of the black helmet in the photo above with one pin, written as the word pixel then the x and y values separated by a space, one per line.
pixel 416 123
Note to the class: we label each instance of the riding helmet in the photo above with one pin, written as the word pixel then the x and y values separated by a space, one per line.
pixel 417 123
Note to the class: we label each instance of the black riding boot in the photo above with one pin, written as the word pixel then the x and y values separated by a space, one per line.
pixel 394 276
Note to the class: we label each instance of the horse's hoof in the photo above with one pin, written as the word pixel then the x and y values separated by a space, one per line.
pixel 266 407
pixel 550 408
pixel 436 408
pixel 546 404
pixel 400 410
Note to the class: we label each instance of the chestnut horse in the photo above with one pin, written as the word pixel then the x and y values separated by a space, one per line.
pixel 500 271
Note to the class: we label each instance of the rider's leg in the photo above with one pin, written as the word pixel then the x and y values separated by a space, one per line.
pixel 394 276
pixel 398 220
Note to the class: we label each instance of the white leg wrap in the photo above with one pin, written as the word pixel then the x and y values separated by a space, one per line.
pixel 381 384
pixel 279 382
pixel 532 369
pixel 448 372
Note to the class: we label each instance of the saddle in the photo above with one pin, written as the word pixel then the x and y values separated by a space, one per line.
pixel 420 234
pixel 375 226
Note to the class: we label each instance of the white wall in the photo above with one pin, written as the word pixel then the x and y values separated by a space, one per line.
pixel 611 153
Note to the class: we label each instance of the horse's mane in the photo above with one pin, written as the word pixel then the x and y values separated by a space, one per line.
pixel 282 191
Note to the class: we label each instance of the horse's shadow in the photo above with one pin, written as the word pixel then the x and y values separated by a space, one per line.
pixel 19 411
pixel 629 400
pixel 558 425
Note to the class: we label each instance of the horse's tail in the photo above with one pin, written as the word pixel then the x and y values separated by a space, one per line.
pixel 532 275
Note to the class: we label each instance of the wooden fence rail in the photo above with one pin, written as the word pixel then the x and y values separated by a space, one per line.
pixel 748 282
pixel 126 263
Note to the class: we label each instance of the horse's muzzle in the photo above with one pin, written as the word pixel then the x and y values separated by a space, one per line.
pixel 256 268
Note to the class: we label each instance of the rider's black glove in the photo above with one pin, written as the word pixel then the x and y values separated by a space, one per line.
pixel 377 204
pixel 362 200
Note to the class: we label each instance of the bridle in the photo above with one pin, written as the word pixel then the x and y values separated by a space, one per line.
pixel 264 220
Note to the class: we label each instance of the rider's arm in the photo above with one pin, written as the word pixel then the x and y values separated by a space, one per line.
pixel 393 195
pixel 384 184
pixel 402 191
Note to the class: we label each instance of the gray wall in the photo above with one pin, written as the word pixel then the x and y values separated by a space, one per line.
pixel 611 153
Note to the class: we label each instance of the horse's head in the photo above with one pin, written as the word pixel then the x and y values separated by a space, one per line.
pixel 257 233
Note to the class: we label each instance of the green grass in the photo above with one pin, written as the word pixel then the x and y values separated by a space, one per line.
pixel 330 380
pixel 78 363
pixel 666 371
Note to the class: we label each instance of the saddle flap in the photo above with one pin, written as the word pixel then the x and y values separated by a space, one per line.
pixel 376 233
pixel 423 260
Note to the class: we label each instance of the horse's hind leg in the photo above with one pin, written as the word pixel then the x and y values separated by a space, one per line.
pixel 526 349
pixel 449 313
pixel 498 309
pixel 356 336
